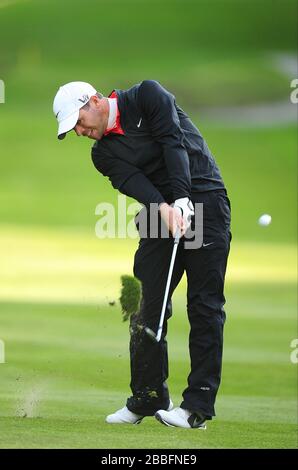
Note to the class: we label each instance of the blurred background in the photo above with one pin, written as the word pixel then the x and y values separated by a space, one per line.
pixel 230 64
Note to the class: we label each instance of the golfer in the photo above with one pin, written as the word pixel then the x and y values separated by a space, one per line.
pixel 151 151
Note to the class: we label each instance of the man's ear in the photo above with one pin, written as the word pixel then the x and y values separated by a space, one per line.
pixel 95 100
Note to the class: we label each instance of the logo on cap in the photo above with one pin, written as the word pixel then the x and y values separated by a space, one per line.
pixel 84 99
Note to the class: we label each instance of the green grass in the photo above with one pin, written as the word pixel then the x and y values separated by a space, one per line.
pixel 209 53
pixel 68 366
pixel 67 359
pixel 66 347
pixel 76 267
pixel 222 55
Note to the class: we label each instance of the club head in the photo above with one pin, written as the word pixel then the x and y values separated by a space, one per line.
pixel 151 334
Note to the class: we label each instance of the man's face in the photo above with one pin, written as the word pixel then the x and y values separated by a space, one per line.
pixel 92 121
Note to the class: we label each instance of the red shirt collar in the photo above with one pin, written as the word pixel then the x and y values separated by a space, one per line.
pixel 117 129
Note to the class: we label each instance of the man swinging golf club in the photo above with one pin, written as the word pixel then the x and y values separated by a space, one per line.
pixel 151 151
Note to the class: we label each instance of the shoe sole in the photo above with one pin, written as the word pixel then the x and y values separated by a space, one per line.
pixel 121 422
pixel 159 418
pixel 138 422
pixel 134 424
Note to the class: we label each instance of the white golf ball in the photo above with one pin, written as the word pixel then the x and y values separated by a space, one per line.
pixel 265 220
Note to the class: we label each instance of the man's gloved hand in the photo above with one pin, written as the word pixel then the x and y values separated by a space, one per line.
pixel 187 209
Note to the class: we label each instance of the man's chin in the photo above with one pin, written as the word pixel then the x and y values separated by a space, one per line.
pixel 95 136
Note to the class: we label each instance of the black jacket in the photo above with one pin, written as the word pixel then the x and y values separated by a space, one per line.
pixel 162 155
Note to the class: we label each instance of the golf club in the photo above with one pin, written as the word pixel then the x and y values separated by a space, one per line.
pixel 156 337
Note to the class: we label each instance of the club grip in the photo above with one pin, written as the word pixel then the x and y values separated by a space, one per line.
pixel 177 236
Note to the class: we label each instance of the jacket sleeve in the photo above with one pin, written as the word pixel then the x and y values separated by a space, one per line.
pixel 128 179
pixel 159 110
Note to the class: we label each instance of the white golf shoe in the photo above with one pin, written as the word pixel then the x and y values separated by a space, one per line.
pixel 125 416
pixel 178 417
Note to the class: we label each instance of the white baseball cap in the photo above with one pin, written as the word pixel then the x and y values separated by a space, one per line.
pixel 68 101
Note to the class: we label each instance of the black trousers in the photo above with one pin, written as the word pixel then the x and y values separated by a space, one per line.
pixel 205 269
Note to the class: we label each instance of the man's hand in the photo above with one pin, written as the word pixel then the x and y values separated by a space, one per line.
pixel 172 218
pixel 187 210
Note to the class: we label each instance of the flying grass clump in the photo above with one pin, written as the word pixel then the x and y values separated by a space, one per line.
pixel 130 296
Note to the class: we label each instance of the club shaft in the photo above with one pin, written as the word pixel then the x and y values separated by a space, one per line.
pixel 165 300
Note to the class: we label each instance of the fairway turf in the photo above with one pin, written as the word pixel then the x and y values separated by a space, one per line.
pixel 67 365
pixel 67 359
